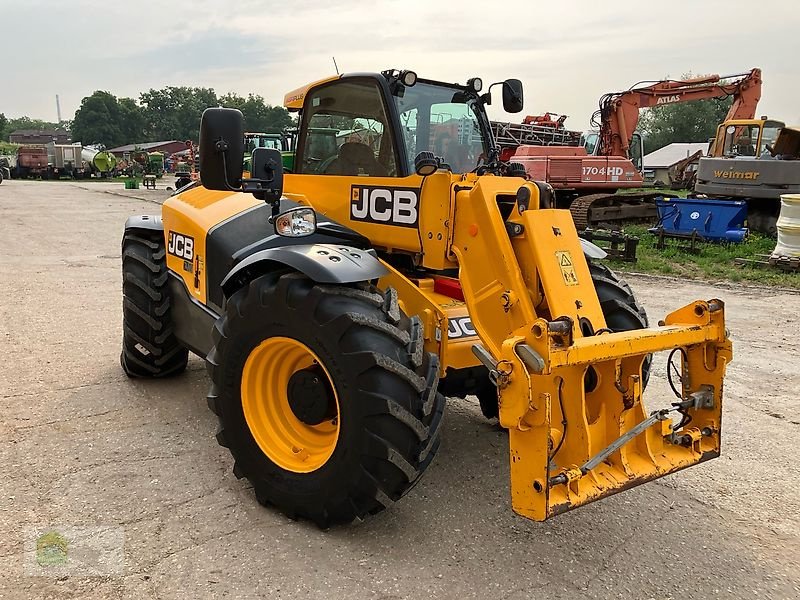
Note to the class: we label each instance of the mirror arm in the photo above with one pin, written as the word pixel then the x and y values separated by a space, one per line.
pixel 494 149
pixel 251 186
pixel 222 147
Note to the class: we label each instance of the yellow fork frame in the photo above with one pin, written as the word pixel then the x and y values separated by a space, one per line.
pixel 573 437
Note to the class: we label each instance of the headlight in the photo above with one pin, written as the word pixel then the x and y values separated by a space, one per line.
pixel 298 222
pixel 476 83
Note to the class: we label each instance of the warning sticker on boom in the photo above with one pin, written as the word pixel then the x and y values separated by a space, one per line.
pixel 567 268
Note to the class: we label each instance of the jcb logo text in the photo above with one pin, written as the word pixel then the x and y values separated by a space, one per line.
pixel 181 246
pixel 390 206
pixel 460 327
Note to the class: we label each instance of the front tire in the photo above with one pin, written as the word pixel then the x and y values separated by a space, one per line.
pixel 149 345
pixel 365 424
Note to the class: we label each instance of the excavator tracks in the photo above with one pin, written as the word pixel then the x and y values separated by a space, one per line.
pixel 596 209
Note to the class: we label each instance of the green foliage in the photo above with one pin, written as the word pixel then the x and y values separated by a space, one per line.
pixel 171 113
pixel 715 262
pixel 682 122
pixel 258 115
pixel 3 125
pixel 174 112
pixel 133 122
pixel 12 125
pixel 102 119
pixel 8 148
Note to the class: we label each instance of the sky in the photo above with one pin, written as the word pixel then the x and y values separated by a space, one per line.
pixel 567 53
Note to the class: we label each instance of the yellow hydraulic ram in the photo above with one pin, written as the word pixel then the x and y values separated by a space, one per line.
pixel 570 390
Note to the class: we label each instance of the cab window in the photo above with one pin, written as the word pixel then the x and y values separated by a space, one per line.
pixel 346 132
pixel 589 141
pixel 769 135
pixel 636 151
pixel 741 140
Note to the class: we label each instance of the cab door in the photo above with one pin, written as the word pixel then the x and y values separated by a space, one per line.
pixel 347 165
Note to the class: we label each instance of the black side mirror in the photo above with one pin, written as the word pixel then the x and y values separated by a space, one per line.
pixel 512 95
pixel 221 148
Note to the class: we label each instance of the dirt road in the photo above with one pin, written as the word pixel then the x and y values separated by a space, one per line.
pixel 83 446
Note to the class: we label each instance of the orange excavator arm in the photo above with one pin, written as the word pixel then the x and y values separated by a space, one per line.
pixel 619 112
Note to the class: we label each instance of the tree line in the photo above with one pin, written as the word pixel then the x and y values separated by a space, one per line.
pixel 171 113
pixel 7 126
pixel 688 122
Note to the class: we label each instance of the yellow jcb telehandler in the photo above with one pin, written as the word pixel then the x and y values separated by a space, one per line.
pixel 400 261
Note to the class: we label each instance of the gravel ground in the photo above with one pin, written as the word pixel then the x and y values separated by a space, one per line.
pixel 135 463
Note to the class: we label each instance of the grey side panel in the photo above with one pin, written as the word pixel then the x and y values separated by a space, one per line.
pixel 145 223
pixel 193 321
pixel 324 263
pixel 734 190
pixel 748 178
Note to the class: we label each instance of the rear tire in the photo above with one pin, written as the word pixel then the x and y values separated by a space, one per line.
pixel 387 410
pixel 149 345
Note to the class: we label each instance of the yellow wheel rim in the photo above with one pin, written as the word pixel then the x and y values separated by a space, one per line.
pixel 287 441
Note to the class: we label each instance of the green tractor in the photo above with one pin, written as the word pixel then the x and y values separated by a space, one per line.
pixel 155 164
pixel 252 141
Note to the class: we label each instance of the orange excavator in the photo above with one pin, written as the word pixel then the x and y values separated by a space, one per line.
pixel 587 177
pixel 619 113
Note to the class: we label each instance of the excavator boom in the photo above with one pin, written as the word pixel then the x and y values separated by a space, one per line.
pixel 619 112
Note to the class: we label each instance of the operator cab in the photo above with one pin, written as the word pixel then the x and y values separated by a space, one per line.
pixel 377 124
pixel 365 144
pixel 590 140
pixel 747 138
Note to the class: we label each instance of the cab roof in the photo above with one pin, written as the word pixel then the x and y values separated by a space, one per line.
pixel 293 101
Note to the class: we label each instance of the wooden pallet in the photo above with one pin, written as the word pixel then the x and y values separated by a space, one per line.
pixel 785 263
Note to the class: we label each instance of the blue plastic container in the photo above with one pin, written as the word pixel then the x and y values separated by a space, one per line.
pixel 714 220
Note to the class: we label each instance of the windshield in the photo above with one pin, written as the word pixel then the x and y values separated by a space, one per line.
pixel 442 120
pixel 768 137
pixel 741 140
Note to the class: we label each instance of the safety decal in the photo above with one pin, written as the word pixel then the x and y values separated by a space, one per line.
pixel 567 267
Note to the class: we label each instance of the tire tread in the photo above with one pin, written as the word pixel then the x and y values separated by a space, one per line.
pixel 400 438
pixel 146 308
